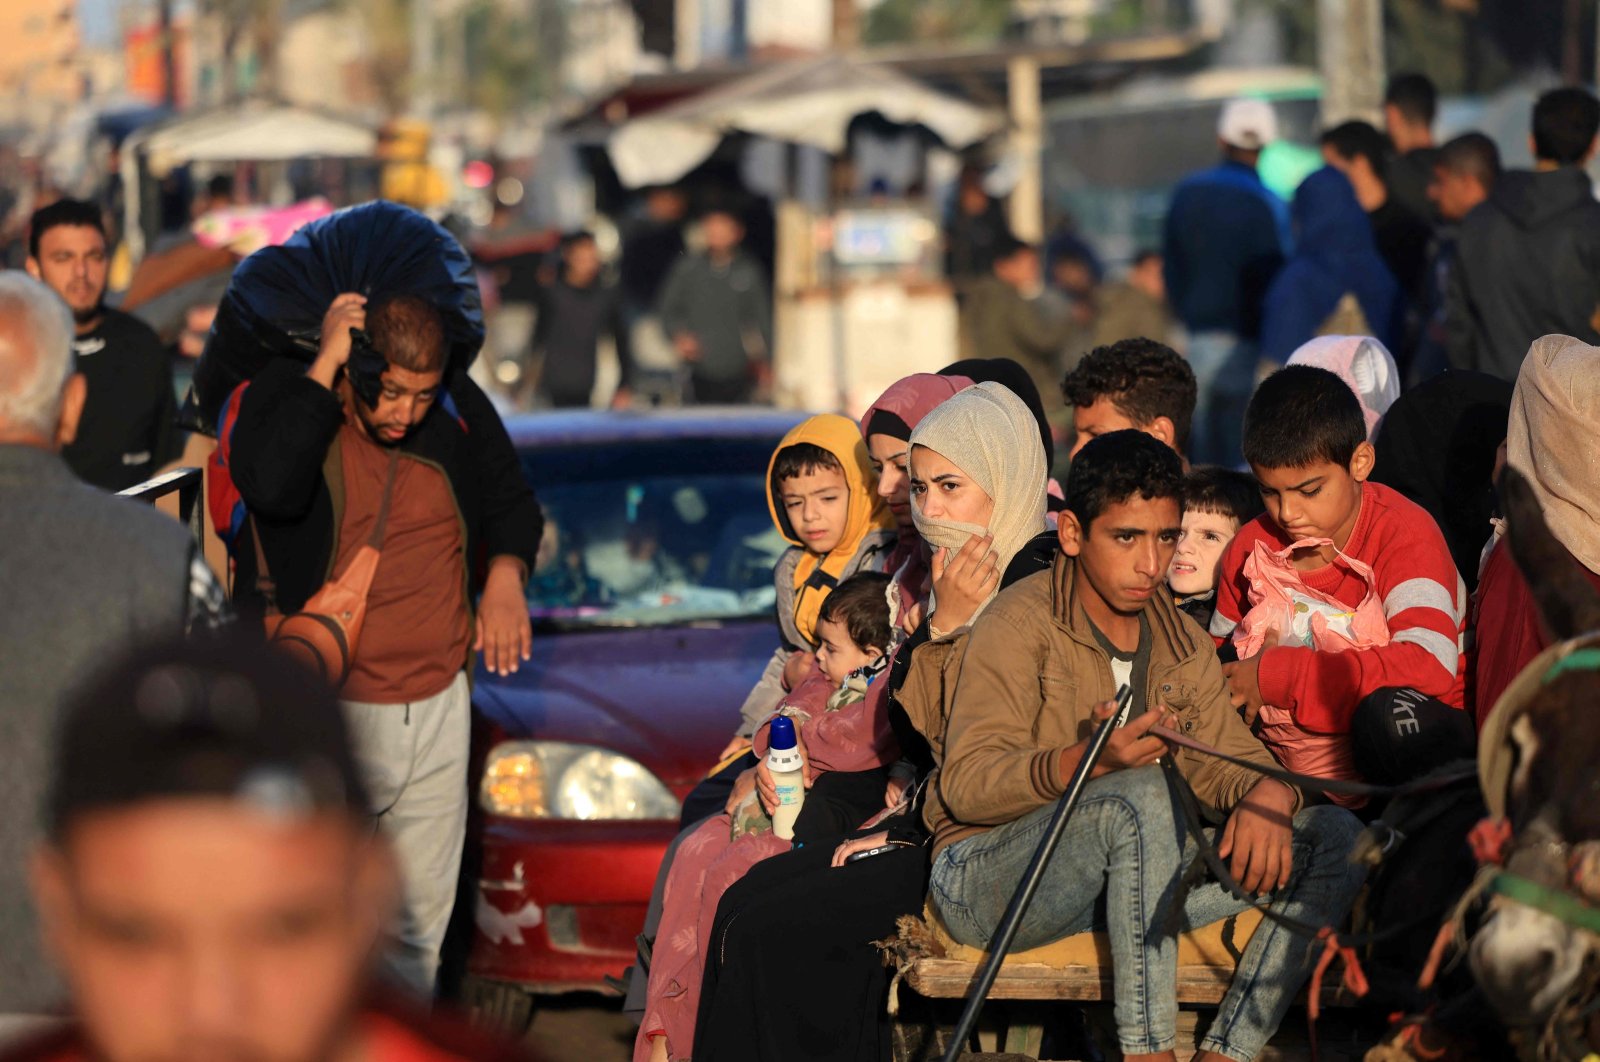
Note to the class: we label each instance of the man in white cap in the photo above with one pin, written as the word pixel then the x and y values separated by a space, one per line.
pixel 1226 235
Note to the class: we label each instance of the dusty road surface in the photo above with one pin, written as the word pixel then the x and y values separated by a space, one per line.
pixel 581 1028
pixel 592 1028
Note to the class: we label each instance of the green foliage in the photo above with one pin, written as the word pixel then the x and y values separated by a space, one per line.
pixel 936 21
pixel 1464 47
pixel 512 58
pixel 491 55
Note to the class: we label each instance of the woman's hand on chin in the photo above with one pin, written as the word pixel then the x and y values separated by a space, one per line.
pixel 963 582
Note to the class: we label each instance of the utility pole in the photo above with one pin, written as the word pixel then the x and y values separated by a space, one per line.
pixel 686 34
pixel 169 61
pixel 1350 54
pixel 1027 140
pixel 1572 44
pixel 846 26
pixel 422 56
pixel 739 30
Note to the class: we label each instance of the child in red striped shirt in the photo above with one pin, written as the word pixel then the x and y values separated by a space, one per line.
pixel 1401 702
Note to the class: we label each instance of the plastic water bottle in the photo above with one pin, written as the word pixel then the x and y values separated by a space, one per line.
pixel 788 775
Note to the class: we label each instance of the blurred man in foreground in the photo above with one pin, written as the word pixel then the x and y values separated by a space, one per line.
pixel 82 575
pixel 210 885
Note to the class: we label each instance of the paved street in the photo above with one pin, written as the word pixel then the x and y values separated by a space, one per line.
pixel 582 1028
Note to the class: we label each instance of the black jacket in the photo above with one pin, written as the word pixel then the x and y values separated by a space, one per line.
pixel 280 452
pixel 1527 265
pixel 129 428
pixel 571 323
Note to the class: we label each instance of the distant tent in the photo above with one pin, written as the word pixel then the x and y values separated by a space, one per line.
pixel 811 101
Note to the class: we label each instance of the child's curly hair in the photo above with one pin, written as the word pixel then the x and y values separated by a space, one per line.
pixel 861 603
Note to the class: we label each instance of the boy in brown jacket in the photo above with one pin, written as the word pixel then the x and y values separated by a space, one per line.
pixel 1042 665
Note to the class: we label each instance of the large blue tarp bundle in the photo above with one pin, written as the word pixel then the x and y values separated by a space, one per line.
pixel 274 304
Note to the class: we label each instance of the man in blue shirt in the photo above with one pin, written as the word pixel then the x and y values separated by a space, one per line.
pixel 1226 235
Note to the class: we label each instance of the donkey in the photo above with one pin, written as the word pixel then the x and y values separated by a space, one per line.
pixel 1532 965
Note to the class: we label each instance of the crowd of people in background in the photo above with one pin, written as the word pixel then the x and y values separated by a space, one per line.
pixel 681 302
pixel 1431 249
pixel 954 611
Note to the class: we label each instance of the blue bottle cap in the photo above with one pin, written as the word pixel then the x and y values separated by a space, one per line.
pixel 781 734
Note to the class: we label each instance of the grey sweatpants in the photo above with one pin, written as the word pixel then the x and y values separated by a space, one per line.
pixel 413 758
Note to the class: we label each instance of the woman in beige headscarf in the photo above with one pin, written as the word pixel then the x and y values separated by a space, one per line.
pixel 977 472
pixel 1553 439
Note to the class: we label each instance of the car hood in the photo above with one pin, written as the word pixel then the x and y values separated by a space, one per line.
pixel 667 697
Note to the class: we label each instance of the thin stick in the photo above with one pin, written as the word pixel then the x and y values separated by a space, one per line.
pixel 1012 920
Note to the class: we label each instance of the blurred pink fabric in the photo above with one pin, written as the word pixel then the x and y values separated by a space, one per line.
pixel 1362 362
pixel 854 737
pixel 1284 611
pixel 245 230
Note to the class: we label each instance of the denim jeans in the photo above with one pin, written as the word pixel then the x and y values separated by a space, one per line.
pixel 1225 376
pixel 1116 871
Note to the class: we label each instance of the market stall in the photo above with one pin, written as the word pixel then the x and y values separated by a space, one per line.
pixel 859 294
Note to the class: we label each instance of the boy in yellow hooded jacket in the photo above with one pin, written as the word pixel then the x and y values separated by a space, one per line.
pixel 823 497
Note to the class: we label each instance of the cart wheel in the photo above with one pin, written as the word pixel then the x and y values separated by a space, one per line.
pixel 502 1009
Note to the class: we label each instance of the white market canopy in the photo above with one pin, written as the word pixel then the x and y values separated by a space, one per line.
pixel 809 102
pixel 256 132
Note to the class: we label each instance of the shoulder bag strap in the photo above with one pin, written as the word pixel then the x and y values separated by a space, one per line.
pixel 375 540
pixel 268 588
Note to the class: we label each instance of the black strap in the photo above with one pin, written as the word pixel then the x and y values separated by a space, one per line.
pixel 1184 797
pixel 821 580
pixel 268 589
pixel 1438 779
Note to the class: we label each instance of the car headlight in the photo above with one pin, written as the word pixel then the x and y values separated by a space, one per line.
pixel 557 780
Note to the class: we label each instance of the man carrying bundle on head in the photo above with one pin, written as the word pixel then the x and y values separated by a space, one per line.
pixel 379 452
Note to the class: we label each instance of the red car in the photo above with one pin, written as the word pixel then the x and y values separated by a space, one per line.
pixel 652 612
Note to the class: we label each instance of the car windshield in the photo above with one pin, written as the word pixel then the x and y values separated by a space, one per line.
pixel 653 533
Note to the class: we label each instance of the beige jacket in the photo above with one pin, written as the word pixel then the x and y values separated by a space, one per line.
pixel 999 703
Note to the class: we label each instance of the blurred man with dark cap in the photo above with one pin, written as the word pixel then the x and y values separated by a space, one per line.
pixel 210 884
pixel 1225 238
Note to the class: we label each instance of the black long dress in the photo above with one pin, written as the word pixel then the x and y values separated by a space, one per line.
pixel 792 973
